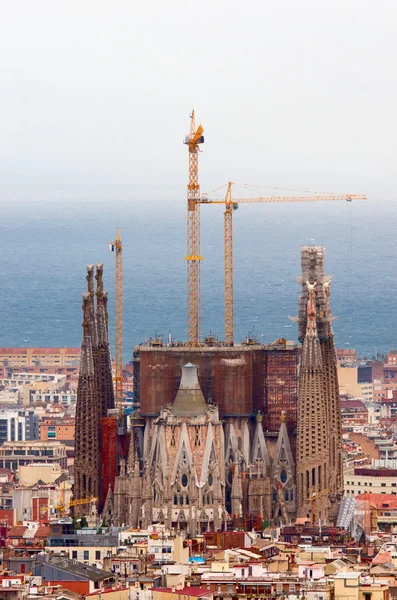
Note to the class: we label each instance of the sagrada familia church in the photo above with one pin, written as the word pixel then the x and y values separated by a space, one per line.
pixel 195 464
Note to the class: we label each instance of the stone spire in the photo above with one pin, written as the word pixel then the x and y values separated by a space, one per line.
pixel 136 495
pixel 95 390
pixel 147 499
pixel 313 436
pixel 87 448
pixel 237 494
pixel 131 453
pixel 102 361
pixel 331 385
pixel 319 436
pixel 91 292
pixel 218 500
pixel 284 475
pixel 193 502
pixel 108 509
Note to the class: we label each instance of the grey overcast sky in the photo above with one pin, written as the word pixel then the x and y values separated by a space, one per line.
pixel 293 91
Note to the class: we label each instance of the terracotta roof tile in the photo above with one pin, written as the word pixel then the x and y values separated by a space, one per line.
pixel 382 557
pixel 16 531
pixel 386 501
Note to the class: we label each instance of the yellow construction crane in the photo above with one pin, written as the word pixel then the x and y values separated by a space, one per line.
pixel 193 140
pixel 61 508
pixel 231 204
pixel 117 248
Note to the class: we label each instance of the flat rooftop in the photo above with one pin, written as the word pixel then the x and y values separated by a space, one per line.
pixel 216 347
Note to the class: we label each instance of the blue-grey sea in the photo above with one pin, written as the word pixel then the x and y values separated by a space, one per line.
pixel 48 235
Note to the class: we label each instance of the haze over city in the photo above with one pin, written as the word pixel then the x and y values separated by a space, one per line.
pixel 209 410
pixel 290 93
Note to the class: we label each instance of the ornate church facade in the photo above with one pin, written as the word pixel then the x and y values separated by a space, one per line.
pixel 196 465
pixel 198 474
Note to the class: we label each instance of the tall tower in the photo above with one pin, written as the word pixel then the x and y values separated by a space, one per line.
pixel 319 436
pixel 102 362
pixel 94 393
pixel 86 473
pixel 331 385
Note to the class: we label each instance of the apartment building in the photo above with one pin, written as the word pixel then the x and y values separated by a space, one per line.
pixel 30 357
pixel 64 398
pixel 369 479
pixel 18 425
pixel 15 454
pixel 61 430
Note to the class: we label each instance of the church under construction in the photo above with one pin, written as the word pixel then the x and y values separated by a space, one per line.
pixel 226 436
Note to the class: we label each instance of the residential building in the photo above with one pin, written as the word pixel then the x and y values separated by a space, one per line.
pixel 18 425
pixel 57 429
pixel 64 398
pixel 351 586
pixel 184 593
pixel 15 454
pixel 354 412
pixel 12 426
pixel 370 479
pixel 356 381
pixel 85 546
pixel 39 356
pixel 344 355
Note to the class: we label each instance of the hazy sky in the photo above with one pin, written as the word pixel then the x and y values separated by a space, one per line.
pixel 293 91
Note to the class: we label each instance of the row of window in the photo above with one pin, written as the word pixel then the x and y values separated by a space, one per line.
pixel 55 399
pixel 17 452
pixel 359 492
pixel 369 483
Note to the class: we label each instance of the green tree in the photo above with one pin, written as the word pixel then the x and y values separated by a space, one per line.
pixel 83 522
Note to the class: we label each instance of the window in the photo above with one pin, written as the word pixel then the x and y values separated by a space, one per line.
pixel 382 485
pixel 86 555
pixel 74 553
pixel 97 555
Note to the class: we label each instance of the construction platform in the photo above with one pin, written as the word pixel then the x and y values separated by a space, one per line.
pixel 241 380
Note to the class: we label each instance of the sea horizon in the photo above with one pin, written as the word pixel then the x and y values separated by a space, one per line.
pixel 49 234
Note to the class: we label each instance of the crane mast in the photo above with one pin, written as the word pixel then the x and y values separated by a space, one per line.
pixel 228 266
pixel 232 204
pixel 193 258
pixel 117 248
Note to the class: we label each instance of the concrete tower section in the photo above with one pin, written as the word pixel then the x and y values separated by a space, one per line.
pixel 319 435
